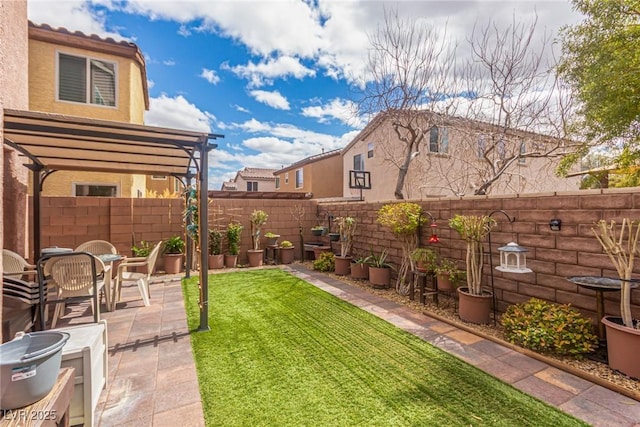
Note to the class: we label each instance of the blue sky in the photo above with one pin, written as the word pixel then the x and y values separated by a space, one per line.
pixel 274 77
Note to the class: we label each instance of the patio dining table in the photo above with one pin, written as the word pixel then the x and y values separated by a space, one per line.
pixel 109 261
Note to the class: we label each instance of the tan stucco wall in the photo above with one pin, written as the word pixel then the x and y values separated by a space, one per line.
pixel 326 177
pixel 160 185
pixel 434 175
pixel 43 82
pixel 129 108
pixel 14 93
pixel 263 185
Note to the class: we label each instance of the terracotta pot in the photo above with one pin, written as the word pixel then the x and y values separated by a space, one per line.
pixel 317 250
pixel 379 278
pixel 343 265
pixel 172 263
pixel 474 308
pixel 286 255
pixel 623 346
pixel 216 262
pixel 255 257
pixel 444 283
pixel 230 261
pixel 359 271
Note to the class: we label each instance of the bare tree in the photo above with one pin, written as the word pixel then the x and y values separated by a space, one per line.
pixel 411 66
pixel 505 104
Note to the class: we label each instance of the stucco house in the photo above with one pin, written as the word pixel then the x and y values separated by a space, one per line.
pixel 252 180
pixel 87 76
pixel 319 175
pixel 454 157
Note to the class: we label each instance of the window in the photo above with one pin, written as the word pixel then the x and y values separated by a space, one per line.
pixel 358 162
pixel 95 190
pixel 86 80
pixel 252 186
pixel 370 150
pixel 277 182
pixel 439 140
pixel 159 177
pixel 482 146
pixel 299 178
pixel 177 185
pixel 523 151
pixel 502 149
pixel 286 177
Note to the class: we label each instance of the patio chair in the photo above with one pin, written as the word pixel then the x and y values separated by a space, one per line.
pixel 97 247
pixel 140 279
pixel 77 276
pixel 13 265
pixel 19 302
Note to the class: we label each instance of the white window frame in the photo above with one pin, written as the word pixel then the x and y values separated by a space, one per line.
pixel 277 182
pixel 370 150
pixel 286 177
pixel 88 60
pixel 251 185
pixel 358 162
pixel 94 184
pixel 523 150
pixel 442 140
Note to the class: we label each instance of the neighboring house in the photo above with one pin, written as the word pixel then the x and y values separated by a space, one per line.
pixel 453 159
pixel 88 76
pixel 229 186
pixel 320 175
pixel 252 179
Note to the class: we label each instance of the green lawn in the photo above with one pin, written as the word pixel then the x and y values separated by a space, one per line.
pixel 284 353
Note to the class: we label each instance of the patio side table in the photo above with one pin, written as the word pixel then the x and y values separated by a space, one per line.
pixel 422 277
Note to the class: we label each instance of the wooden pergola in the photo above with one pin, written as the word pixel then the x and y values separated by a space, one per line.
pixel 52 142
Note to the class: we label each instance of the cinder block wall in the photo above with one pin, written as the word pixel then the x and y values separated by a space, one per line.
pixel 553 255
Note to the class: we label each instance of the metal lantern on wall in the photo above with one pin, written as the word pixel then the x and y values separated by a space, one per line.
pixel 513 259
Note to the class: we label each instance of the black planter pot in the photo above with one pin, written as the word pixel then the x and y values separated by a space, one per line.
pixel 334 237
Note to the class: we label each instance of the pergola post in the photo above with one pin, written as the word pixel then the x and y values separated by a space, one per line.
pixel 203 217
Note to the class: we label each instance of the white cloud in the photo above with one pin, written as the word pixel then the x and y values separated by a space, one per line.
pixel 264 72
pixel 210 76
pixel 177 113
pixel 169 62
pixel 241 109
pixel 272 99
pixel 340 109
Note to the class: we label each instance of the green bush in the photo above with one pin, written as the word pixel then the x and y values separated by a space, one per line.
pixel 549 328
pixel 326 262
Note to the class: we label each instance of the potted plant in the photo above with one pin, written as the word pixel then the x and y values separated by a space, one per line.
pixel 142 251
pixel 379 270
pixel 475 303
pixel 256 255
pixel 317 230
pixel 346 227
pixel 623 332
pixel 234 231
pixel 360 268
pixel 448 275
pixel 272 238
pixel 425 259
pixel 216 258
pixel 334 237
pixel 286 252
pixel 173 250
pixel 403 219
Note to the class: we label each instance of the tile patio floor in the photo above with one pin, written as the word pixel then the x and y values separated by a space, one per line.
pixel 152 378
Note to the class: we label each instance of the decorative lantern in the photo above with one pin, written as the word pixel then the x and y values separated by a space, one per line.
pixel 513 259
pixel 434 237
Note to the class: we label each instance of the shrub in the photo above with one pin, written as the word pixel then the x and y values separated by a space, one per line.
pixel 326 262
pixel 549 328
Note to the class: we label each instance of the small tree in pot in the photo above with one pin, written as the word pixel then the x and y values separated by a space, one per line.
pixel 346 228
pixel 473 229
pixel 216 259
pixel 623 334
pixel 173 250
pixel 234 232
pixel 258 219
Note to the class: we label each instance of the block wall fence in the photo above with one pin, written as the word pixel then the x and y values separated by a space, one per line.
pixel 553 255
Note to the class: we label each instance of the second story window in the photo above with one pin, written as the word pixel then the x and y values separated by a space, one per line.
pixel 252 186
pixel 358 162
pixel 299 178
pixel 370 150
pixel 439 140
pixel 86 80
pixel 286 177
pixel 277 182
pixel 523 151
pixel 482 146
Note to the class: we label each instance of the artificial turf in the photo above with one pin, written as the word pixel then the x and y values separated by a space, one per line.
pixel 282 352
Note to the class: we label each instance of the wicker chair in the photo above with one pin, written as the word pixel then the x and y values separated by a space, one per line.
pixel 140 279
